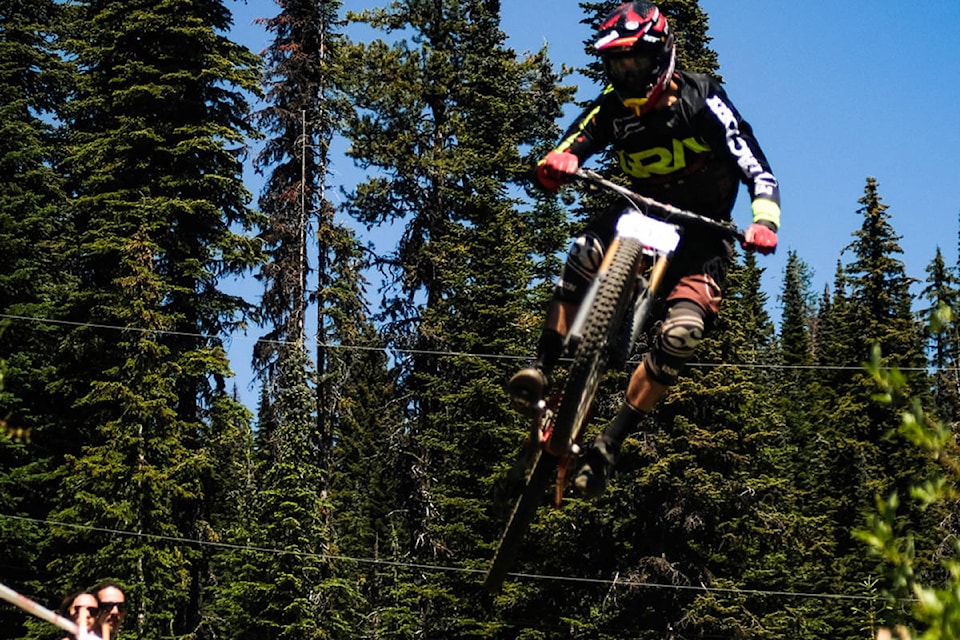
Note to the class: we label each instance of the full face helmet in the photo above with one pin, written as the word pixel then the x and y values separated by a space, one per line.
pixel 638 52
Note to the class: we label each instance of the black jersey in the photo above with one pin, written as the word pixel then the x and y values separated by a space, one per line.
pixel 693 154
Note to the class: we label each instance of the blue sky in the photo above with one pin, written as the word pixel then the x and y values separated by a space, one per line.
pixel 835 91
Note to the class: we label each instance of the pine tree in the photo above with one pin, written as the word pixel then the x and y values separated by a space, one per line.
pixel 880 302
pixel 795 340
pixel 295 433
pixel 871 306
pixel 34 284
pixel 836 331
pixel 799 385
pixel 158 207
pixel 440 121
pixel 805 398
pixel 880 287
pixel 228 504
pixel 309 599
pixel 942 292
pixel 33 83
pixel 301 117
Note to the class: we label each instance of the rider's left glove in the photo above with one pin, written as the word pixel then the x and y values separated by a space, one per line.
pixel 555 169
pixel 760 237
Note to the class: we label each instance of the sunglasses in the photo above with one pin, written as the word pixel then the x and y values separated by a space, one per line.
pixel 90 608
pixel 108 606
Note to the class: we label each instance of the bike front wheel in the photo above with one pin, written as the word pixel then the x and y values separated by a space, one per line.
pixel 600 334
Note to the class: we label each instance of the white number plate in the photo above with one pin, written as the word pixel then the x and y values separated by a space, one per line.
pixel 650 232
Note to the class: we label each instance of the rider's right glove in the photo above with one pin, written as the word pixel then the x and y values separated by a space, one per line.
pixel 555 169
pixel 760 237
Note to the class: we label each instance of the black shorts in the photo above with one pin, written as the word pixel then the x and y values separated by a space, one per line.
pixel 697 272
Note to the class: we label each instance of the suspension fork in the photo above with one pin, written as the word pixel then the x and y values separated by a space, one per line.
pixel 575 332
pixel 569 319
pixel 656 274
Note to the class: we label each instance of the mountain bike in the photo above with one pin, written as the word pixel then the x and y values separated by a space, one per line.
pixel 606 329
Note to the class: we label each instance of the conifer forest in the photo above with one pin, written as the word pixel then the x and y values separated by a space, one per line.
pixel 798 482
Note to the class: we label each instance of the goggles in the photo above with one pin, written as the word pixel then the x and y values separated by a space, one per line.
pixel 631 72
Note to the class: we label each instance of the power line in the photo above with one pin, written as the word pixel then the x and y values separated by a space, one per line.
pixel 377 562
pixel 438 353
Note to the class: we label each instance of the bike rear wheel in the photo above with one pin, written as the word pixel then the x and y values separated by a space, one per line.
pixel 600 334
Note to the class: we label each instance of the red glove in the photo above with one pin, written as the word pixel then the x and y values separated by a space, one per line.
pixel 760 238
pixel 554 170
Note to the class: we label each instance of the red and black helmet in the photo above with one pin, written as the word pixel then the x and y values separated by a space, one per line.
pixel 638 52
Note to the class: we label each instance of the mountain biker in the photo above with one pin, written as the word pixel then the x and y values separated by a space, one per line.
pixel 678 139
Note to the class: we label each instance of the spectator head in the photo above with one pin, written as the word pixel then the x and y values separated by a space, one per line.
pixel 82 608
pixel 113 604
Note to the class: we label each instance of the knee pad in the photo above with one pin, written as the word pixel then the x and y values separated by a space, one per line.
pixel 583 262
pixel 680 335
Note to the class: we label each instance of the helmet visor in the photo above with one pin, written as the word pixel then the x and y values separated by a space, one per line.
pixel 633 72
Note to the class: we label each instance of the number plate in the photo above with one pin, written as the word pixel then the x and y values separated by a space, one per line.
pixel 650 232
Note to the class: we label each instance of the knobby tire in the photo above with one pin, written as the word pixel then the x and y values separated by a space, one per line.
pixel 541 476
pixel 601 332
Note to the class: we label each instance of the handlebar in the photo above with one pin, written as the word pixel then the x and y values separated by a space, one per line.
pixel 656 209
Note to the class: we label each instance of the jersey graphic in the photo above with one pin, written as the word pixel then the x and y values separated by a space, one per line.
pixel 660 161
